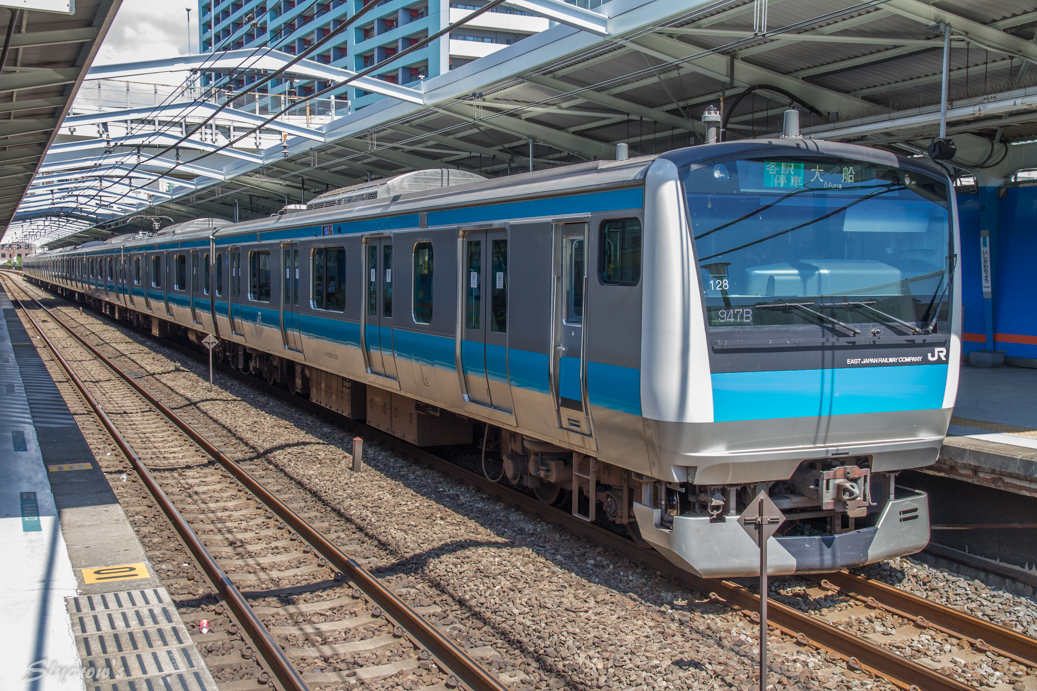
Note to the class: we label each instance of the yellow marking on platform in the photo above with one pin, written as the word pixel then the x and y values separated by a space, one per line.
pixel 69 466
pixel 995 427
pixel 125 572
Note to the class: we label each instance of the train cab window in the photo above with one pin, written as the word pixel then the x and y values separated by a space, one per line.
pixel 136 270
pixel 329 278
pixel 180 275
pixel 156 271
pixel 422 309
pixel 205 272
pixel 499 286
pixel 620 252
pixel 259 276
pixel 575 271
pixel 219 274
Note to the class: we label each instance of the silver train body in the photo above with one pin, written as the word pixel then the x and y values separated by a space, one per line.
pixel 653 340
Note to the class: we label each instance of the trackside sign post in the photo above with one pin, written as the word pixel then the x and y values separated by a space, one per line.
pixel 210 342
pixel 761 520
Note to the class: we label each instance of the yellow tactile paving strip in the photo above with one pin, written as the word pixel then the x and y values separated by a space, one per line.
pixel 995 427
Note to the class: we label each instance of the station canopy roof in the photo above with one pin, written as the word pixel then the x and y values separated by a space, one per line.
pixel 41 68
pixel 633 71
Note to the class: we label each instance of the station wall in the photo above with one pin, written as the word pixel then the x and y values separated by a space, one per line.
pixel 1014 274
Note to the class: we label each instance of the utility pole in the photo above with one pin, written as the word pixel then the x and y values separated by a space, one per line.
pixel 189 31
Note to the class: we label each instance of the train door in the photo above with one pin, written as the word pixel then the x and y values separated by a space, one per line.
pixel 235 290
pixel 290 298
pixel 568 371
pixel 484 339
pixel 379 306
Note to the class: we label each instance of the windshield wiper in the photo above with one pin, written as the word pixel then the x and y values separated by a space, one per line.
pixel 931 326
pixel 867 306
pixel 819 315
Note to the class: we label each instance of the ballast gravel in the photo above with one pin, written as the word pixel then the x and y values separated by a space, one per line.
pixel 564 612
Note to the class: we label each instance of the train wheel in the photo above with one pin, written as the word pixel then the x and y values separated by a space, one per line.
pixel 548 493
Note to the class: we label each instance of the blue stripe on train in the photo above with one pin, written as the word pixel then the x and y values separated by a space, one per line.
pixel 817 392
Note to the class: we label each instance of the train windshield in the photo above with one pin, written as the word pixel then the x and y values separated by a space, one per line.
pixel 786 241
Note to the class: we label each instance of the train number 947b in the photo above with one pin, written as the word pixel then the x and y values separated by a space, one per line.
pixel 733 315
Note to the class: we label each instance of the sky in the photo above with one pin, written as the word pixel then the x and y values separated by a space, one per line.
pixel 150 30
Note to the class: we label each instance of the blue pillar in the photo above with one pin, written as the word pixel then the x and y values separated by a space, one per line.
pixel 988 222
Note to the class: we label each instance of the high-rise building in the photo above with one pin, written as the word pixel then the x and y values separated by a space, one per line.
pixel 293 26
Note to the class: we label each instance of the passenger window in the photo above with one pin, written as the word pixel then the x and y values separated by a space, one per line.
pixel 219 274
pixel 372 280
pixel 387 289
pixel 499 290
pixel 422 309
pixel 156 271
pixel 575 271
pixel 259 276
pixel 136 270
pixel 473 285
pixel 180 279
pixel 620 252
pixel 205 270
pixel 329 279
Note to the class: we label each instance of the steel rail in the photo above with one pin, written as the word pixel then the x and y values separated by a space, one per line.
pixel 925 613
pixel 273 655
pixel 805 629
pixel 446 653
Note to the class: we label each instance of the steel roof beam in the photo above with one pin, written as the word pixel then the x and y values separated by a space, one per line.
pixel 823 99
pixel 148 139
pixel 541 133
pixel 622 105
pixel 159 163
pixel 804 37
pixel 35 79
pixel 248 60
pixel 182 111
pixel 986 36
pixel 35 39
pixel 564 13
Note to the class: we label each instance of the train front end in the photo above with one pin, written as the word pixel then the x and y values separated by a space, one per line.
pixel 801 336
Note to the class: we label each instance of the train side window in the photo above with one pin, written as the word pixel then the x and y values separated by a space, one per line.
pixel 259 276
pixel 111 268
pixel 620 254
pixel 205 271
pixel 156 271
pixel 372 280
pixel 387 286
pixel 329 278
pixel 575 271
pixel 422 309
pixel 136 271
pixel 180 274
pixel 317 263
pixel 219 274
pixel 499 287
pixel 473 285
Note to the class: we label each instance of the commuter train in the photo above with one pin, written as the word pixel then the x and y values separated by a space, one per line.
pixel 653 341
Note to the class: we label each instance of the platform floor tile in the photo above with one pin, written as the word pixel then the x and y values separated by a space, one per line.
pixel 134 640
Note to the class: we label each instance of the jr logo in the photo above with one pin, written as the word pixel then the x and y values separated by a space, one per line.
pixel 938 354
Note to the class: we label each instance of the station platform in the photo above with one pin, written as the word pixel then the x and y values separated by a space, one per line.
pixel 82 606
pixel 992 440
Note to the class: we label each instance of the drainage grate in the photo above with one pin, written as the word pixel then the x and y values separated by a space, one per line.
pixel 134 641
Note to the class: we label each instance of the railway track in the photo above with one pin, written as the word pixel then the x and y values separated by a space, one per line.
pixel 892 662
pixel 262 546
